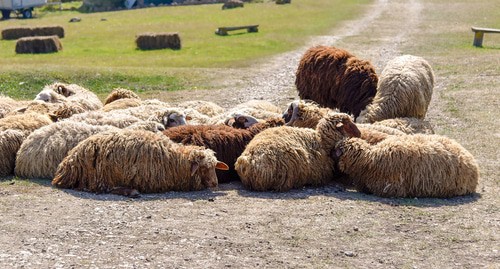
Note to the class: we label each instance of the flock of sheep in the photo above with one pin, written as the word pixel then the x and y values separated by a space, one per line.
pixel 349 124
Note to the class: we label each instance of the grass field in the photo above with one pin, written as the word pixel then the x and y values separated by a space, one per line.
pixel 102 54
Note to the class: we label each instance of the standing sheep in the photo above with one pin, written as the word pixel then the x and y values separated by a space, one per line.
pixel 335 78
pixel 282 158
pixel 404 90
pixel 409 166
pixel 228 143
pixel 140 160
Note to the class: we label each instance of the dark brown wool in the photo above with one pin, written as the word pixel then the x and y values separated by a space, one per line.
pixel 227 142
pixel 335 78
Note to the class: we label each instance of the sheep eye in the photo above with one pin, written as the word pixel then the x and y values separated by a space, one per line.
pixel 171 120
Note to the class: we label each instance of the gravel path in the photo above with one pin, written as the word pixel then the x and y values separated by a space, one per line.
pixel 274 79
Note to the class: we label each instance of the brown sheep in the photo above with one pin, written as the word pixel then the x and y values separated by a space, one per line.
pixel 227 142
pixel 335 78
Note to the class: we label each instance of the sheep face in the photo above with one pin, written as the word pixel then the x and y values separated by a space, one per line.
pixel 335 126
pixel 203 165
pixel 50 96
pixel 207 172
pixel 287 115
pixel 174 119
pixel 240 121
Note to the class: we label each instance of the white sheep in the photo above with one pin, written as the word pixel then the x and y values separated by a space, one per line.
pixel 43 150
pixel 409 166
pixel 407 125
pixel 70 93
pixel 404 90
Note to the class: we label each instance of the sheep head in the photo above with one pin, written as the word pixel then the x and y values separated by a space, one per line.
pixel 203 165
pixel 169 118
pixel 50 96
pixel 335 126
pixel 240 121
pixel 304 113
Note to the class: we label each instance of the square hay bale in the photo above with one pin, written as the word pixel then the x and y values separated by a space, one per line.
pixel 38 44
pixel 19 32
pixel 48 31
pixel 153 41
pixel 232 4
pixel 14 33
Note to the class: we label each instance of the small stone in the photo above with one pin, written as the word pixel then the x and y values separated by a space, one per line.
pixel 349 253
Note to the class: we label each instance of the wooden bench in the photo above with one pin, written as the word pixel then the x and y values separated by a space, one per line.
pixel 224 30
pixel 479 33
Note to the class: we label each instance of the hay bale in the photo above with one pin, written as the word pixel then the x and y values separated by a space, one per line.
pixel 14 33
pixel 38 44
pixel 232 4
pixel 48 31
pixel 152 41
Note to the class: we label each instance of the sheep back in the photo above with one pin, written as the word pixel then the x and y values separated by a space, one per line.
pixel 141 160
pixel 282 158
pixel 335 78
pixel 120 93
pixel 10 141
pixel 408 125
pixel 404 90
pixel 26 123
pixel 43 150
pixel 409 166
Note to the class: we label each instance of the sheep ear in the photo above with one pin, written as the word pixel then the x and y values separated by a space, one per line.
pixel 194 168
pixel 54 117
pixel 22 110
pixel 351 129
pixel 63 90
pixel 221 166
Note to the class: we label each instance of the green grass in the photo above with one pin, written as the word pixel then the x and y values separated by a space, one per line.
pixel 102 54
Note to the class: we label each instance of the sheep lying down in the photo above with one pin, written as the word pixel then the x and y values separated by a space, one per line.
pixel 132 161
pixel 409 166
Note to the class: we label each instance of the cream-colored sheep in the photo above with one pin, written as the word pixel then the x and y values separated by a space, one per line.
pixel 140 160
pixel 404 90
pixel 282 158
pixel 409 166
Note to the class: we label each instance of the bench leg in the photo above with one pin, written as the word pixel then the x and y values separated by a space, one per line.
pixel 478 39
pixel 253 30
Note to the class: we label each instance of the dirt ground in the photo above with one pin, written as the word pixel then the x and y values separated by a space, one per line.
pixel 329 227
